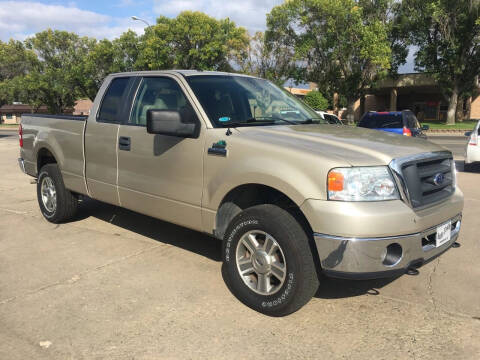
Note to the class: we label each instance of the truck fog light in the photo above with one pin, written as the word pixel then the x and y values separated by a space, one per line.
pixel 392 255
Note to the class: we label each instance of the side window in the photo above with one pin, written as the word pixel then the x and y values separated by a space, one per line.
pixel 158 93
pixel 412 121
pixel 368 122
pixel 112 101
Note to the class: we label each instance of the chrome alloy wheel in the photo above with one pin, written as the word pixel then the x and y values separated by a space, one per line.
pixel 261 262
pixel 49 194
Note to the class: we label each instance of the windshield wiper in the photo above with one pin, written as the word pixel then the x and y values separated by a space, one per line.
pixel 273 119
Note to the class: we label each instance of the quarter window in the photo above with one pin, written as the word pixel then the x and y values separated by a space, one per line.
pixel 112 101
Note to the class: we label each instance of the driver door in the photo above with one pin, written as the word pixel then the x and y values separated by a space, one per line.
pixel 159 175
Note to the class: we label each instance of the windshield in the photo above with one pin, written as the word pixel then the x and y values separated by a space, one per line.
pixel 245 101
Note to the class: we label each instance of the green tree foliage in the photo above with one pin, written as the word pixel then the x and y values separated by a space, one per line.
pixel 15 61
pixel 447 34
pixel 56 79
pixel 192 40
pixel 106 57
pixel 316 100
pixel 343 45
pixel 268 59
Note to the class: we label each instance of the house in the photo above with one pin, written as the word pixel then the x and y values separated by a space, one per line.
pixel 12 113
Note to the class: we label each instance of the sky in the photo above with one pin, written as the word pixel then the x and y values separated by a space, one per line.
pixel 109 18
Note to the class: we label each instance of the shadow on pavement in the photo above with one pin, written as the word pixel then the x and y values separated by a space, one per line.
pixel 331 288
pixel 470 168
pixel 152 228
pixel 207 246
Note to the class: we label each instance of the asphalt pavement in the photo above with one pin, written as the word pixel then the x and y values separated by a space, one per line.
pixel 455 144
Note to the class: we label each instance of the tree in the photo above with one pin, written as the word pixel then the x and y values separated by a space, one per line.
pixel 316 100
pixel 268 59
pixel 15 61
pixel 338 44
pixel 106 57
pixel 447 34
pixel 57 79
pixel 192 40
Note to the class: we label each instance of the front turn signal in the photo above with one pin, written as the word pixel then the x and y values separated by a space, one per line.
pixel 335 181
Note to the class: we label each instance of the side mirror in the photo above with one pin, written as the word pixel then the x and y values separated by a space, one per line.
pixel 169 122
pixel 468 133
pixel 425 127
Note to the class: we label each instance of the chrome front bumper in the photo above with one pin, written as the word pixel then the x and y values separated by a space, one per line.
pixel 21 163
pixel 380 257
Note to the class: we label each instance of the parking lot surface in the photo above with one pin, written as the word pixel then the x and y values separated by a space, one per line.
pixel 114 284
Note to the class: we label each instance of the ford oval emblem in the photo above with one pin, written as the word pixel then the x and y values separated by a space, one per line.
pixel 438 179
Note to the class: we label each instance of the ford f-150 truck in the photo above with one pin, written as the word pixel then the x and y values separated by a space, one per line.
pixel 236 157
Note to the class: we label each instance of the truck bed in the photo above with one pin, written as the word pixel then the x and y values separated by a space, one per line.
pixel 61 135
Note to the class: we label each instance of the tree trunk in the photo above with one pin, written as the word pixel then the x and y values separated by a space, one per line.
pixel 362 105
pixel 452 106
pixel 350 111
pixel 459 110
pixel 468 106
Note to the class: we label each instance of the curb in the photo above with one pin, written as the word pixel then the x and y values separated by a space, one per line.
pixel 446 132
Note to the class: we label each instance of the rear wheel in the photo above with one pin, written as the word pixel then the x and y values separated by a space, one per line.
pixel 267 262
pixel 57 204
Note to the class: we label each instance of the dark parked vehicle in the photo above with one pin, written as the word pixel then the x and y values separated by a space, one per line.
pixel 400 122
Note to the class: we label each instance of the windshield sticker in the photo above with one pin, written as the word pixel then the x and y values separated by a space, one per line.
pixel 224 119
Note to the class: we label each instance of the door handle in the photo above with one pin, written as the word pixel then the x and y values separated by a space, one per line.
pixel 124 143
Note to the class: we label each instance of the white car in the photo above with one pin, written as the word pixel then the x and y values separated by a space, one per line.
pixel 331 118
pixel 472 152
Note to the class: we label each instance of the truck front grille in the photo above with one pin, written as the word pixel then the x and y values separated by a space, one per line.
pixel 426 179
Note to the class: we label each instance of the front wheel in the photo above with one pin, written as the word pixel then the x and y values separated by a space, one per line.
pixel 267 262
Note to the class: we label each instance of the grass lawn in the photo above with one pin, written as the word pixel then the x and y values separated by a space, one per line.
pixel 466 125
pixel 8 125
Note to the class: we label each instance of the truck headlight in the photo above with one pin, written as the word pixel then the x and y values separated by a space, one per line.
pixel 367 183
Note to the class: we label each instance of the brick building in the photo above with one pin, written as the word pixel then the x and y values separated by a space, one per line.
pixel 417 92
pixel 12 113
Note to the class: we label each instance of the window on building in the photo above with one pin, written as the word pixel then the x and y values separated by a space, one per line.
pixel 9 116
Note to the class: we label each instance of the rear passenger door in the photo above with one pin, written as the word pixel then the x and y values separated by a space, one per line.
pixel 101 137
pixel 159 175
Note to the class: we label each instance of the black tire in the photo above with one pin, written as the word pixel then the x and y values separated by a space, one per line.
pixel 301 280
pixel 66 202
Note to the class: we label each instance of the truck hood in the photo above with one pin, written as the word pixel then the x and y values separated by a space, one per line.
pixel 356 146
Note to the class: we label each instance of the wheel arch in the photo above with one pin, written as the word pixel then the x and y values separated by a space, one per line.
pixel 247 195
pixel 45 156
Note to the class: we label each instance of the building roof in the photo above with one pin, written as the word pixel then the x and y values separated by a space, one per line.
pixel 297 91
pixel 15 108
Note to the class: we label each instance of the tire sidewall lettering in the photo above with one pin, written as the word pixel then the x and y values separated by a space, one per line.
pixel 228 244
pixel 284 296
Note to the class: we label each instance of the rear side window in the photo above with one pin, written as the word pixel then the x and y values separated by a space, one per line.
pixel 112 101
pixel 382 121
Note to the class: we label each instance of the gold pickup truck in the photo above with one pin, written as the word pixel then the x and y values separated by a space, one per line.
pixel 237 157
